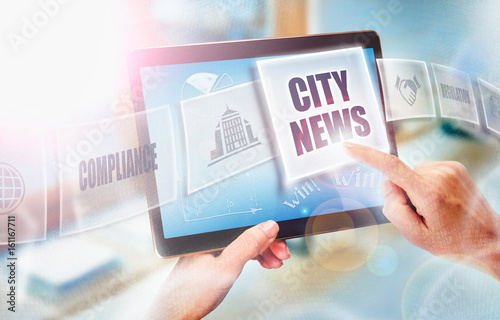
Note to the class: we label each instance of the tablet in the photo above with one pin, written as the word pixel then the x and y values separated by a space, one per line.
pixel 212 106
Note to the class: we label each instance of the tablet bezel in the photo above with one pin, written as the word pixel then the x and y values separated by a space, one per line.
pixel 213 241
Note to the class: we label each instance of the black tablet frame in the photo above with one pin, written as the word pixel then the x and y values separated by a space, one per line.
pixel 230 50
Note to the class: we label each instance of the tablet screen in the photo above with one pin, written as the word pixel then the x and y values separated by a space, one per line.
pixel 229 174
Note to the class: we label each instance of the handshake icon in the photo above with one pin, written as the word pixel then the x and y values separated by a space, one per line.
pixel 408 89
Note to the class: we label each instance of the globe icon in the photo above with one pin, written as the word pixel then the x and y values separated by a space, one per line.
pixel 11 188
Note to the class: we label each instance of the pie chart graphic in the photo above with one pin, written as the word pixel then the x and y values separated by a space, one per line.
pixel 203 83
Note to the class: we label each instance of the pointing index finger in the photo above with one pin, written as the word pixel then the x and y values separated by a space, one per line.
pixel 390 165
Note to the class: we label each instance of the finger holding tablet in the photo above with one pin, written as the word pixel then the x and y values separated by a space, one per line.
pixel 207 277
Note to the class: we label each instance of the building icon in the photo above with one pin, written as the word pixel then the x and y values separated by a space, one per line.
pixel 233 134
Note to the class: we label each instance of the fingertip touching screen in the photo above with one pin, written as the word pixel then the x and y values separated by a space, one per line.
pixel 256 130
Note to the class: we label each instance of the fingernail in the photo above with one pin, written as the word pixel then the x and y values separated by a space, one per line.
pixel 386 187
pixel 288 250
pixel 270 228
pixel 348 145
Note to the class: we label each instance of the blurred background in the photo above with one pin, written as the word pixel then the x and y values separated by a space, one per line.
pixel 64 64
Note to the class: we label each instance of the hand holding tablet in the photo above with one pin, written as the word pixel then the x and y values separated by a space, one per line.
pixel 460 224
pixel 207 277
pixel 229 176
pixel 240 152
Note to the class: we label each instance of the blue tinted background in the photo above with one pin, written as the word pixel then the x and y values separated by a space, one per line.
pixel 262 182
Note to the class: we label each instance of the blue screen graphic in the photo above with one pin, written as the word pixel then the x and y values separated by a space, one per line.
pixel 258 193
